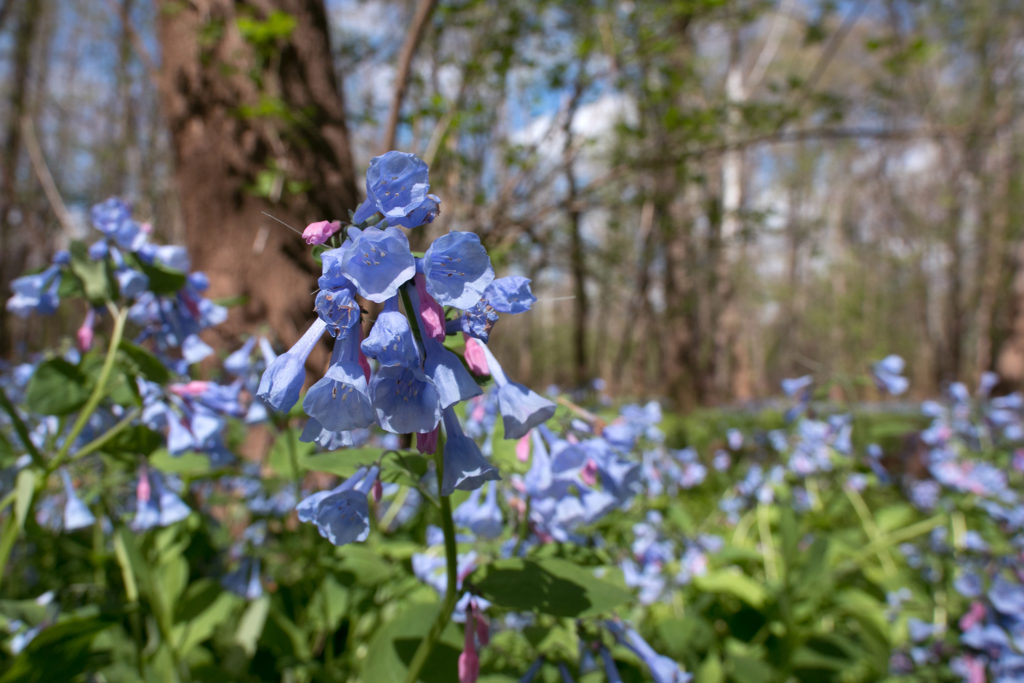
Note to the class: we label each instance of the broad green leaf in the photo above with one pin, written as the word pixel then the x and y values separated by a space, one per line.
pixel 733 582
pixel 710 670
pixel 197 628
pixel 549 585
pixel 250 626
pixel 894 516
pixel 142 363
pixel 57 388
pixel 392 648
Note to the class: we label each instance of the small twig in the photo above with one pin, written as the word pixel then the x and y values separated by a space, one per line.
pixel 35 153
pixel 412 40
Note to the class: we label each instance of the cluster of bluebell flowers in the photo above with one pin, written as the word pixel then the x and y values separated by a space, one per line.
pixel 401 376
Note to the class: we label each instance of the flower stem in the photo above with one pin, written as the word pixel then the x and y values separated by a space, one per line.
pixel 452 567
pixel 98 392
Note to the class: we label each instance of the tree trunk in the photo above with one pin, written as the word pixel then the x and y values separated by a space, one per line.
pixel 257 125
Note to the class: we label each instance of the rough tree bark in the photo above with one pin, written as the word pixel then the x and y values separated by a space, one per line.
pixel 241 105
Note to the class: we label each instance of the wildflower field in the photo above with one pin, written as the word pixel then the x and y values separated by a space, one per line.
pixel 420 515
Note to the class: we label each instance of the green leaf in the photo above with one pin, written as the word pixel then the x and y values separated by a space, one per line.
pixel 250 626
pixel 57 388
pixel 25 489
pixel 550 585
pixel 140 362
pixel 193 628
pixel 391 650
pixel 190 463
pixel 60 652
pixel 162 280
pixel 733 582
pixel 98 281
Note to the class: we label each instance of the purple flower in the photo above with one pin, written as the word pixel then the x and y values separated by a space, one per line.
pixel 157 506
pixel 406 400
pixel 504 295
pixel 337 306
pixel 483 519
pixel 339 400
pixel 390 342
pixel 283 379
pixel 376 261
pixel 887 375
pixel 791 387
pixel 663 669
pixel 521 409
pixel 76 513
pixel 465 467
pixel 341 515
pixel 397 186
pixel 457 269
pixel 35 293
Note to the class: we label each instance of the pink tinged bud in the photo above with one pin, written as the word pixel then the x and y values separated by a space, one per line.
pixel 589 473
pixel 85 334
pixel 523 448
pixel 475 358
pixel 194 388
pixel 320 232
pixel 483 631
pixel 426 442
pixel 469 661
pixel 973 617
pixel 142 491
pixel 146 227
pixel 975 670
pixel 378 491
pixel 431 312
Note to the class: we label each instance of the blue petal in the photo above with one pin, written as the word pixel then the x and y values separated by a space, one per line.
pixel 465 467
pixel 453 381
pixel 406 401
pixel 457 269
pixel 390 342
pixel 522 409
pixel 377 262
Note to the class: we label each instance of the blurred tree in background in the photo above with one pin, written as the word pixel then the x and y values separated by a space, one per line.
pixel 709 195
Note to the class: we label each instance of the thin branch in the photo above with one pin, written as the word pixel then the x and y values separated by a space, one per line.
pixel 140 48
pixel 412 40
pixel 35 153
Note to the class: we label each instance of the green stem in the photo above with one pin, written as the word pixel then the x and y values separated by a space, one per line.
pixel 771 567
pixel 120 316
pixel 874 534
pixel 452 567
pixel 21 429
pixel 106 436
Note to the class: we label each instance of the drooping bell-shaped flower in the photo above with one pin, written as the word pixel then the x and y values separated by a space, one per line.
pixel 888 373
pixel 521 408
pixel 337 306
pixel 482 518
pixel 465 467
pixel 157 505
pixel 663 669
pixel 36 293
pixel 339 400
pixel 76 513
pixel 405 399
pixel 457 269
pixel 504 295
pixel 376 261
pixel 397 186
pixel 342 515
pixel 390 342
pixel 282 380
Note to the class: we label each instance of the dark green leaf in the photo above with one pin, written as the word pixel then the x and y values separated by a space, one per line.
pixel 142 363
pixel 98 281
pixel 550 585
pixel 57 388
pixel 392 649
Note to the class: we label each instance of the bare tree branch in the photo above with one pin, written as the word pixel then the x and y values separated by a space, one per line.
pixel 42 171
pixel 412 40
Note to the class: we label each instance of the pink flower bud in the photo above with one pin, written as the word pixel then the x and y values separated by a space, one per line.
pixel 475 358
pixel 426 443
pixel 320 232
pixel 523 448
